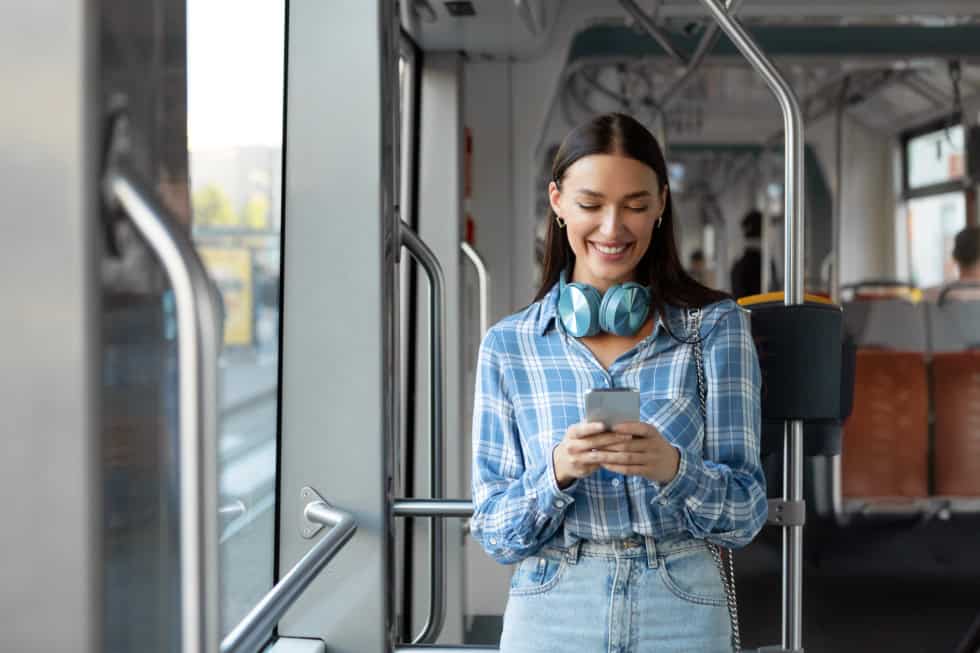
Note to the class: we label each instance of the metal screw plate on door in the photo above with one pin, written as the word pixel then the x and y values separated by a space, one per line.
pixel 308 529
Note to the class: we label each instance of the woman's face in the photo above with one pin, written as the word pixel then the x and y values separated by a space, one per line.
pixel 611 204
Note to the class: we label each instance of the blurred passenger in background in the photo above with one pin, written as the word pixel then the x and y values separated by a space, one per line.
pixel 966 255
pixel 747 270
pixel 697 268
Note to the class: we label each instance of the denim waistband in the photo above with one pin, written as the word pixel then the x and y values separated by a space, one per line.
pixel 635 546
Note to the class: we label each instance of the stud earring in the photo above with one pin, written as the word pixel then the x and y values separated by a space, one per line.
pixel 561 223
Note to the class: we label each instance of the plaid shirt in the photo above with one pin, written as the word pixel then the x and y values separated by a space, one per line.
pixel 531 381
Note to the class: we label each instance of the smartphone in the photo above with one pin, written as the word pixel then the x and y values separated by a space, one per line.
pixel 612 406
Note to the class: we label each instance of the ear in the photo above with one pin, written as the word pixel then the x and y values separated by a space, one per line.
pixel 664 193
pixel 554 197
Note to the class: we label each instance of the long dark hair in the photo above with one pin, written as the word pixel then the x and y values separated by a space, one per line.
pixel 660 268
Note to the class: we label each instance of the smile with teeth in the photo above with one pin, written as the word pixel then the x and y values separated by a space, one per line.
pixel 611 249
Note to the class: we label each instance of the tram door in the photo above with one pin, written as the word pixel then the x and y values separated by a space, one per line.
pixel 306 356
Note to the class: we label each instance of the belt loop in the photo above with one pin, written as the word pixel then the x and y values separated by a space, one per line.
pixel 572 553
pixel 651 548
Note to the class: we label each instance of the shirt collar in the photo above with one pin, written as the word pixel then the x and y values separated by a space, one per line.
pixel 547 311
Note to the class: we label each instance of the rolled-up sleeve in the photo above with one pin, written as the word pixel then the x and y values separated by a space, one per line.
pixel 721 490
pixel 517 507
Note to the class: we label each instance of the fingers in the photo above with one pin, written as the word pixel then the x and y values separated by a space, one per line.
pixel 629 444
pixel 625 470
pixel 636 428
pixel 584 430
pixel 605 458
pixel 593 442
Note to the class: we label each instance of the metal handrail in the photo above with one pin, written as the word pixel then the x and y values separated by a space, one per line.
pixel 433 508
pixel 437 435
pixel 483 279
pixel 792 626
pixel 197 352
pixel 251 632
pixel 705 46
pixel 651 28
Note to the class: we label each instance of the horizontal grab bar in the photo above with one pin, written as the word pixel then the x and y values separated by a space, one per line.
pixel 433 508
pixel 250 634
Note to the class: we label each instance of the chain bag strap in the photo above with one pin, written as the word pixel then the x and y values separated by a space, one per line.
pixel 727 579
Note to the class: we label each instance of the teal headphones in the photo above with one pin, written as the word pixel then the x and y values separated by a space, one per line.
pixel 584 312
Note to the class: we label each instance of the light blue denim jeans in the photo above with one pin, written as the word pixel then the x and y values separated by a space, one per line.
pixel 628 596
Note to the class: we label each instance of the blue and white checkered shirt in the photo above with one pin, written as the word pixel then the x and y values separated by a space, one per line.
pixel 530 386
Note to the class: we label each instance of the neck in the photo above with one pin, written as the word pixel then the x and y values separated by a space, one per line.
pixel 580 275
pixel 970 273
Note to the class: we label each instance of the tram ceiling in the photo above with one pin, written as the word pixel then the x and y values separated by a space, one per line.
pixel 884 97
pixel 526 28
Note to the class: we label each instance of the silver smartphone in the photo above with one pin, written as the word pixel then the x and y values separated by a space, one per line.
pixel 612 406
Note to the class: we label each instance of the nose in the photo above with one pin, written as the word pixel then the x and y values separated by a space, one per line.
pixel 610 222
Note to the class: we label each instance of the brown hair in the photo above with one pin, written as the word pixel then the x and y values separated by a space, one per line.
pixel 660 268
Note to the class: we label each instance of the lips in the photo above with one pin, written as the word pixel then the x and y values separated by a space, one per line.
pixel 610 249
pixel 610 252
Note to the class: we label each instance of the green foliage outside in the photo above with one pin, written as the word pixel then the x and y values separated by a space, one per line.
pixel 213 208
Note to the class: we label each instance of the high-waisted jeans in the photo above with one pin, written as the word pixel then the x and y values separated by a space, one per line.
pixel 628 596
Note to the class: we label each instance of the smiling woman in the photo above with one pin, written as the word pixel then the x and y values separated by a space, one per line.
pixel 609 185
pixel 616 525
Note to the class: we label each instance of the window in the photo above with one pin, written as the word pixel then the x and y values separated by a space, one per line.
pixel 935 210
pixel 235 63
pixel 933 222
pixel 933 158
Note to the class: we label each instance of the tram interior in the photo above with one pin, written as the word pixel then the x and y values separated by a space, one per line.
pixel 243 118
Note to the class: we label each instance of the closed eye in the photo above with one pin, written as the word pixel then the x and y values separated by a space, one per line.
pixel 588 207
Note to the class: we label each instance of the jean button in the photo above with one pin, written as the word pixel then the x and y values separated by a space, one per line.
pixel 615 482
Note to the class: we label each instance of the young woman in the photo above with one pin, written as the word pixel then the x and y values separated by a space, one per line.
pixel 611 523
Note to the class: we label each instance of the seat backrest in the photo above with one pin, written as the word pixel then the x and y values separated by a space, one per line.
pixel 954 326
pixel 887 324
pixel 956 382
pixel 886 439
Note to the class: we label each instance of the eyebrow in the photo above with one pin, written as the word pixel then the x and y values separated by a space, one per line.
pixel 638 194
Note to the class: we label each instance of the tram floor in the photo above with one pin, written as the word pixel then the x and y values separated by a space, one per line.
pixel 849 612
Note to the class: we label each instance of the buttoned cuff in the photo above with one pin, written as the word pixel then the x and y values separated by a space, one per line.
pixel 552 500
pixel 685 482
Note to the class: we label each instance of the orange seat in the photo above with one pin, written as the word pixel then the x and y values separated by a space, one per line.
pixel 956 378
pixel 886 438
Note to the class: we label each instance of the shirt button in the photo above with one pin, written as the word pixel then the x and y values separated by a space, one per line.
pixel 663 502
pixel 615 482
pixel 493 540
pixel 559 503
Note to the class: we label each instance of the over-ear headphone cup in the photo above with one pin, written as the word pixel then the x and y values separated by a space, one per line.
pixel 624 309
pixel 578 308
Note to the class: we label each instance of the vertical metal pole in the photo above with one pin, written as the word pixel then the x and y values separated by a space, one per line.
pixel 839 191
pixel 793 202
